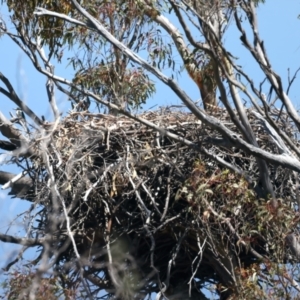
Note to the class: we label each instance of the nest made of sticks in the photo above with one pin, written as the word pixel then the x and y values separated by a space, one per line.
pixel 148 197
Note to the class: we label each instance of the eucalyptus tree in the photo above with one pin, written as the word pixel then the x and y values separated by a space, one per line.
pixel 239 177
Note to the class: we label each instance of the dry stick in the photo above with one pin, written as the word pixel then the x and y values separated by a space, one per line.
pixel 144 209
pixel 110 258
pixel 68 225
pixel 167 198
pixel 142 204
pixel 174 255
pixel 20 255
pixel 100 179
pixel 290 82
pixel 50 83
pixel 253 101
pixel 7 129
pixel 11 182
pixel 166 283
pixel 200 254
pixel 233 231
pixel 166 222
pixel 185 27
pixel 273 134
pixel 28 242
pixel 12 95
pixel 150 196
pixel 260 56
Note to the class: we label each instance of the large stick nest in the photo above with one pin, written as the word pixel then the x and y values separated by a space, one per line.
pixel 141 205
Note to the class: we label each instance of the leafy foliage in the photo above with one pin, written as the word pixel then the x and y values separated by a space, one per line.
pixel 21 284
pixel 100 69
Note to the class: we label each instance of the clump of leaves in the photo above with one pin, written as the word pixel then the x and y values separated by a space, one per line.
pixel 257 282
pixel 222 189
pixel 218 198
pixel 217 195
pixel 21 284
pixel 128 87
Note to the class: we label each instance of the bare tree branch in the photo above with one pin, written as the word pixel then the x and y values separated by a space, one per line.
pixel 21 241
pixel 260 56
pixel 5 145
pixel 14 97
pixel 20 188
pixel 7 129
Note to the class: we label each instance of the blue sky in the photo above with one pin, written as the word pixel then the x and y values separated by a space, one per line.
pixel 279 28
